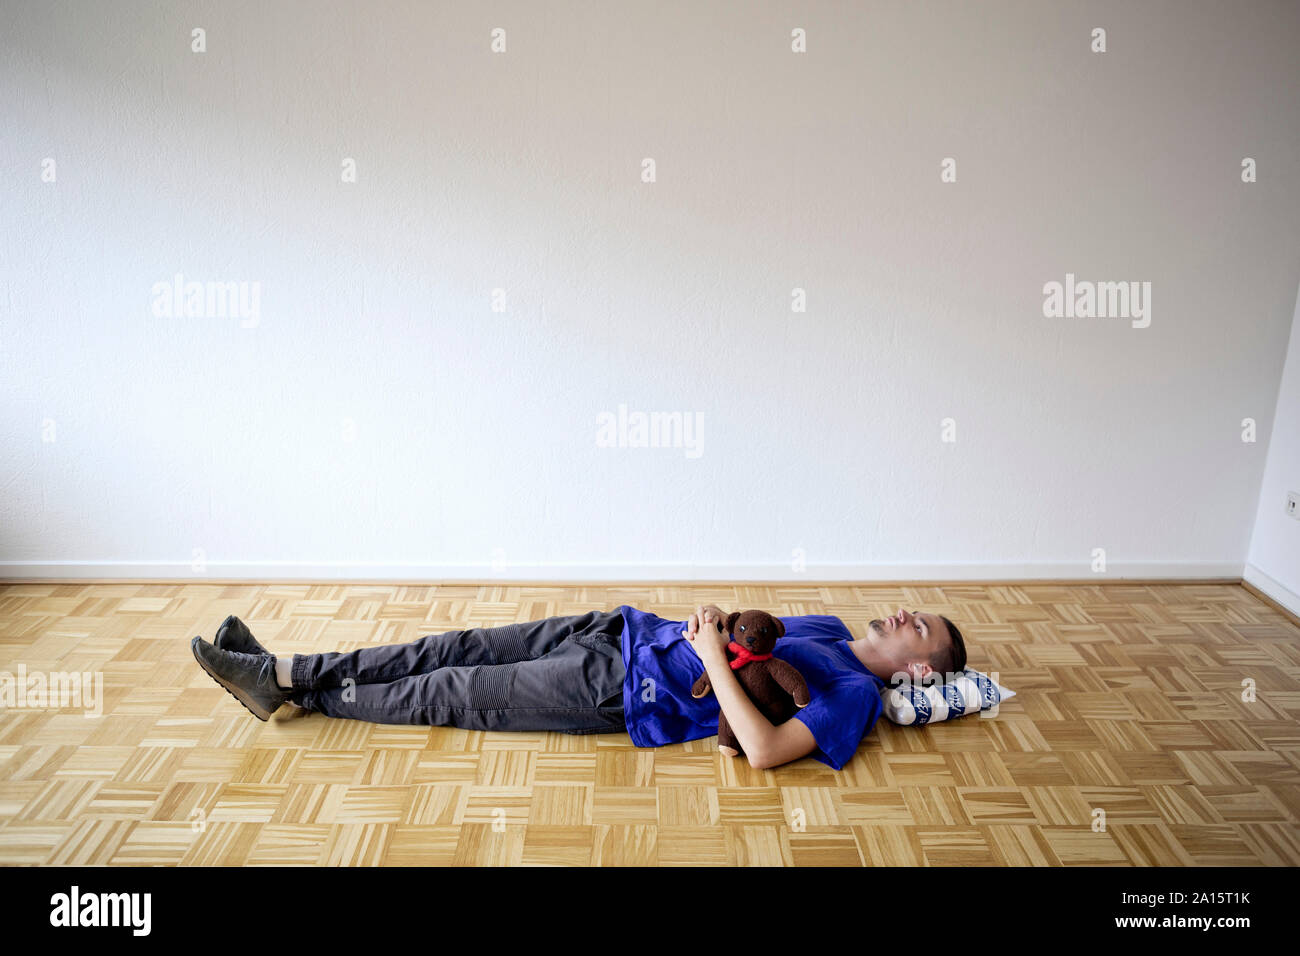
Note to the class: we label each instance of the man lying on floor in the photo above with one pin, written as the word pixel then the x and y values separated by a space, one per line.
pixel 601 672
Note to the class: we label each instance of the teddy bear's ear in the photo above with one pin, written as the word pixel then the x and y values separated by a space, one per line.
pixel 732 618
pixel 780 628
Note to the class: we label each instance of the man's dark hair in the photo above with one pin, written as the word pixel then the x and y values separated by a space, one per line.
pixel 951 659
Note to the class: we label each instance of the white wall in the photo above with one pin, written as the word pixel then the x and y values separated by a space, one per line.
pixel 473 433
pixel 1274 561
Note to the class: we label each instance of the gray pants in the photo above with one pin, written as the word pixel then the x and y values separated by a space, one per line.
pixel 559 673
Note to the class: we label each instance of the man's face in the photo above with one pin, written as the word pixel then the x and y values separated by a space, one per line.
pixel 908 638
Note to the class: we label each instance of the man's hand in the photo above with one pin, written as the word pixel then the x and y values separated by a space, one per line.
pixel 704 631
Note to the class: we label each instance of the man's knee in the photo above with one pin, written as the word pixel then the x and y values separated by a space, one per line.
pixel 489 687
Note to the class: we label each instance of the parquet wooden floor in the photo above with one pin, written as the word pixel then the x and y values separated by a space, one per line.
pixel 1130 701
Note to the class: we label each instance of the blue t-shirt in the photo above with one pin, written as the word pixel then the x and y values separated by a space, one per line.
pixel 661 666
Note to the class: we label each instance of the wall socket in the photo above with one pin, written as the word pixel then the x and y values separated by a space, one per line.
pixel 1293 505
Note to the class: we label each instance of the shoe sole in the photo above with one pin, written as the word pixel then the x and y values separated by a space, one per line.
pixel 251 706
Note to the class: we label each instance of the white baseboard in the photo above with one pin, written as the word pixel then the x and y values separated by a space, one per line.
pixel 1273 588
pixel 266 571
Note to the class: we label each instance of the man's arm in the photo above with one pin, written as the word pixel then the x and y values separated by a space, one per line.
pixel 765 746
pixel 788 742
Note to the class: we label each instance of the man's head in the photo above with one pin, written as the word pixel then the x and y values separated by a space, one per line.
pixel 925 646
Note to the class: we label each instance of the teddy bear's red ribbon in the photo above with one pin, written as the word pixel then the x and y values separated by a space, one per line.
pixel 744 656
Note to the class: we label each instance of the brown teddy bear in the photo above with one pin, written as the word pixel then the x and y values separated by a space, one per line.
pixel 776 688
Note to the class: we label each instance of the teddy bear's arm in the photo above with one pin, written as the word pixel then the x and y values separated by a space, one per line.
pixel 790 679
pixel 702 686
